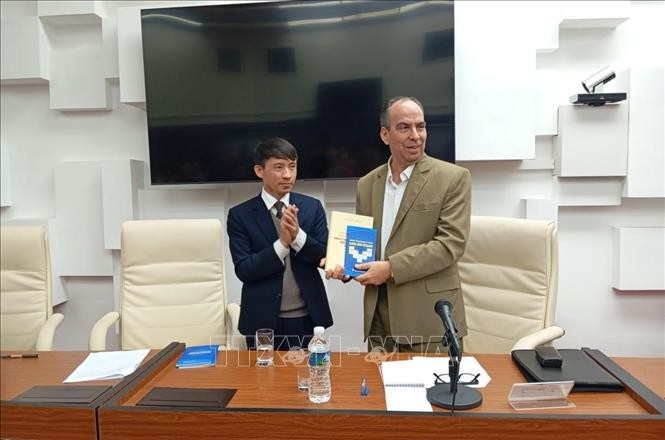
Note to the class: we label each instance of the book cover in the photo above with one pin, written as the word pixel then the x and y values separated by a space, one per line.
pixel 337 235
pixel 360 248
pixel 198 356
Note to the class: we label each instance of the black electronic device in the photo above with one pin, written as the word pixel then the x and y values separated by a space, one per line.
pixel 220 78
pixel 598 99
pixel 548 357
pixel 577 366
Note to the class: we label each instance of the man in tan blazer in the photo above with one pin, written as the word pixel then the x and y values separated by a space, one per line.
pixel 421 208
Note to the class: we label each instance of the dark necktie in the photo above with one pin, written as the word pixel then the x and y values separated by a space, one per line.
pixel 278 207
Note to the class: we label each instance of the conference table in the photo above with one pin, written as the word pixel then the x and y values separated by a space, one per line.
pixel 267 403
pixel 51 417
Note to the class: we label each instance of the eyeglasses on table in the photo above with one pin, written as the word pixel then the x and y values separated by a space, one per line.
pixel 463 379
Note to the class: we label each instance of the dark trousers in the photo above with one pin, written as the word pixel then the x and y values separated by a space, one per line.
pixel 290 332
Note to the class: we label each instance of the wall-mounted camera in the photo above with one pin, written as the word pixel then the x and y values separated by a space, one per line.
pixel 599 78
pixel 603 76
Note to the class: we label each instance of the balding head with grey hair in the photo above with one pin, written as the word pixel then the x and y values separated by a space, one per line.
pixel 384 118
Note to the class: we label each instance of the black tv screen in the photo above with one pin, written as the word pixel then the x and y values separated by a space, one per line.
pixel 221 78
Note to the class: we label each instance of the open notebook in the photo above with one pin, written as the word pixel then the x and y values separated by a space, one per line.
pixel 405 382
pixel 404 386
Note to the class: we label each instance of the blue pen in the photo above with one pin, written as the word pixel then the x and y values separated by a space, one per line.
pixel 364 390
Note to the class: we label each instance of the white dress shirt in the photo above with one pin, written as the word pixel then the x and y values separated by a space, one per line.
pixel 392 198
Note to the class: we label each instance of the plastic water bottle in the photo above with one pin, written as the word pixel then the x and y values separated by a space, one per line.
pixel 319 367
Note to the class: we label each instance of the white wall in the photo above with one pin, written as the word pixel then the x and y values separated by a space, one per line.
pixel 506 109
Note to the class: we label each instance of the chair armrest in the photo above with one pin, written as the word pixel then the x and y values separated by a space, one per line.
pixel 98 332
pixel 236 341
pixel 540 337
pixel 47 332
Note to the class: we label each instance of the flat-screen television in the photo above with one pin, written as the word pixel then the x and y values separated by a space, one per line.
pixel 221 78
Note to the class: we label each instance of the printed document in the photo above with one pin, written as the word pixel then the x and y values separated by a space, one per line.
pixel 107 365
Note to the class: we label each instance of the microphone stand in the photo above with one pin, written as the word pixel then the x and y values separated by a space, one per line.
pixel 446 396
pixel 454 359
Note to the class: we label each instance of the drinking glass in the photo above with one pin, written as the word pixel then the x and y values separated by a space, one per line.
pixel 265 350
pixel 299 360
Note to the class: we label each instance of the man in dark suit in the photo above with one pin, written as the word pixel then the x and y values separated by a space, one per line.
pixel 277 240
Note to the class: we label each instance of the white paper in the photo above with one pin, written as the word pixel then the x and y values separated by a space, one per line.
pixel 107 365
pixel 439 365
pixel 403 387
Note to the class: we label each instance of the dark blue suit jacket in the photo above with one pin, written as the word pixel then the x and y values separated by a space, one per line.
pixel 251 236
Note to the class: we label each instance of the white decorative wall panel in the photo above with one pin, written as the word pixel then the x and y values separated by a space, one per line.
pixel 18 8
pixel 543 159
pixel 494 87
pixel 592 141
pixel 587 192
pixel 20 61
pixel 64 13
pixel 546 33
pixel 80 228
pixel 110 46
pixel 639 258
pixel 185 203
pixel 547 101
pixel 498 187
pixel 646 134
pixel 78 80
pixel 592 23
pixel 594 14
pixel 121 182
pixel 130 55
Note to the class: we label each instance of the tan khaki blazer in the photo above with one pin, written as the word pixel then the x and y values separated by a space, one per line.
pixel 427 239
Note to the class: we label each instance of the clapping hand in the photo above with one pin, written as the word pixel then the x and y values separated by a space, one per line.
pixel 288 225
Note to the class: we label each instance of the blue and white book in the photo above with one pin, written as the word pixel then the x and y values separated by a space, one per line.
pixel 198 356
pixel 360 248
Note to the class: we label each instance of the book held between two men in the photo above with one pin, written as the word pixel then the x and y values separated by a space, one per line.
pixel 351 240
pixel 198 356
pixel 360 248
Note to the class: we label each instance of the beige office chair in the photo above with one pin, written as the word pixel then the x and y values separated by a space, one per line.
pixel 237 340
pixel 509 275
pixel 27 321
pixel 172 285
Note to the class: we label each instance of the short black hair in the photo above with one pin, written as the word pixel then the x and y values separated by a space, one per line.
pixel 385 111
pixel 274 147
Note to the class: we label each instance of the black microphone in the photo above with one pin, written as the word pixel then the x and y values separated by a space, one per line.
pixel 444 309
